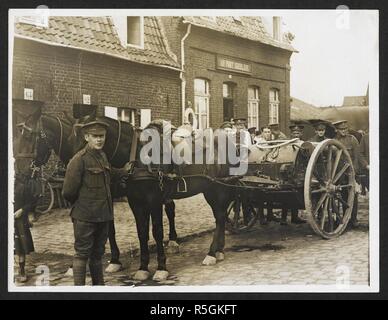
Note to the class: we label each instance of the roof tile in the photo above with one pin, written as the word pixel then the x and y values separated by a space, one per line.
pixel 98 34
pixel 250 28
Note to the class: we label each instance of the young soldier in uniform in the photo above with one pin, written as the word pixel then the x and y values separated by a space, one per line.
pixel 266 135
pixel 351 144
pixel 87 188
pixel 296 132
pixel 364 153
pixel 320 132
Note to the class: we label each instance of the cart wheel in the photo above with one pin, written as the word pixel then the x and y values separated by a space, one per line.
pixel 240 218
pixel 329 189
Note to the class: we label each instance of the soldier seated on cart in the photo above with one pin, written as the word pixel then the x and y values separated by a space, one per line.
pixel 276 133
pixel 266 135
pixel 320 132
pixel 296 132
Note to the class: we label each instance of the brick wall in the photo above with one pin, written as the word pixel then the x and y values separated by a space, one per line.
pixel 60 76
pixel 270 69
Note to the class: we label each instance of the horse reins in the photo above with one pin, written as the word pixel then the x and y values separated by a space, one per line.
pixel 61 137
pixel 118 141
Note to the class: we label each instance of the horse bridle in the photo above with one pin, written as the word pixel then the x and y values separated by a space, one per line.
pixel 41 134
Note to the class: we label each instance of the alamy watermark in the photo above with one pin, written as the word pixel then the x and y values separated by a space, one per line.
pixel 187 146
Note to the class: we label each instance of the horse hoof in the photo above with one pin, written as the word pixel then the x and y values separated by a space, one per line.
pixel 209 261
pixel 220 256
pixel 141 275
pixel 173 247
pixel 69 273
pixel 23 279
pixel 160 275
pixel 113 268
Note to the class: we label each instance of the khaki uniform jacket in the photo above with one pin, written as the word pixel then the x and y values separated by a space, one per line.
pixel 353 147
pixel 87 186
pixel 364 151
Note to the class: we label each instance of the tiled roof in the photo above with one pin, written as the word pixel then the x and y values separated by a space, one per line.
pixel 99 35
pixel 354 101
pixel 251 28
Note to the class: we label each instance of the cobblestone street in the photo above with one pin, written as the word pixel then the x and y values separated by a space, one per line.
pixel 265 255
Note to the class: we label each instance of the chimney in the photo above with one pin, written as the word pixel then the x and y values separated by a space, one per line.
pixel 277 28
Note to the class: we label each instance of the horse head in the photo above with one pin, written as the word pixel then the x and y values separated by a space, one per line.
pixel 31 147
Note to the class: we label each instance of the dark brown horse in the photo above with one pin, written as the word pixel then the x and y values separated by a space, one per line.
pixel 147 192
pixel 42 134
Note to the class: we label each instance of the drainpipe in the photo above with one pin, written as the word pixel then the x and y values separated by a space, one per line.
pixel 182 76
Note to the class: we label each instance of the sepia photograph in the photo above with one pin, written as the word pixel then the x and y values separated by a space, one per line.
pixel 193 150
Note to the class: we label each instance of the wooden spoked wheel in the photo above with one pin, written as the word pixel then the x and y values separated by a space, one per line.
pixel 329 189
pixel 241 215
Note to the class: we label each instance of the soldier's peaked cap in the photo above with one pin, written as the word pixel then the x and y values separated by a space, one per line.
pixel 320 125
pixel 296 127
pixel 342 124
pixel 273 125
pixel 95 127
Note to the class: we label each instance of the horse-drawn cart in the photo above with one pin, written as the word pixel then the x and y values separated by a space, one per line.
pixel 316 177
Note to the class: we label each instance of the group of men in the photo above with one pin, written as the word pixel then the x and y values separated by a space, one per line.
pixel 87 188
pixel 359 152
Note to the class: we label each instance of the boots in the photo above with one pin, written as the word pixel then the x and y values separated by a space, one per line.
pixel 96 272
pixel 295 218
pixel 79 271
pixel 283 221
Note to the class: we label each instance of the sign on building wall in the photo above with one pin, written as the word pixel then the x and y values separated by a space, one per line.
pixel 231 64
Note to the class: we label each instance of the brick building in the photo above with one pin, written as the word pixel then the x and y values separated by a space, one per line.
pixel 142 68
pixel 122 65
pixel 233 67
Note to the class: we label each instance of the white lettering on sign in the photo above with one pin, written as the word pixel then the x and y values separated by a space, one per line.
pixel 224 63
pixel 28 94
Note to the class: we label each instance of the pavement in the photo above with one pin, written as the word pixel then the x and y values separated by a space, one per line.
pixel 271 254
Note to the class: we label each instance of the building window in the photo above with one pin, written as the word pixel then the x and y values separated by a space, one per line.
pixel 201 102
pixel 274 106
pixel 123 114
pixel 253 107
pixel 130 30
pixel 134 31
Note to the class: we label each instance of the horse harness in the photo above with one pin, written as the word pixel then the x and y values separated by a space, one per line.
pixel 41 134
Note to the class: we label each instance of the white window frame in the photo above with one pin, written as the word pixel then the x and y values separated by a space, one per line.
pixel 274 103
pixel 120 24
pixel 119 113
pixel 205 97
pixel 253 103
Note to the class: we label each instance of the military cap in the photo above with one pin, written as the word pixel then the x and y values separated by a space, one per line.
pixel 227 125
pixel 342 124
pixel 240 121
pixel 320 126
pixel 95 127
pixel 252 130
pixel 273 125
pixel 296 127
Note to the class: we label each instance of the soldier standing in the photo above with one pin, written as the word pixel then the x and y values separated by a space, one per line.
pixel 87 188
pixel 351 144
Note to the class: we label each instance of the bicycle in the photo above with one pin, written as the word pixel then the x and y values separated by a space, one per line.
pixel 46 199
